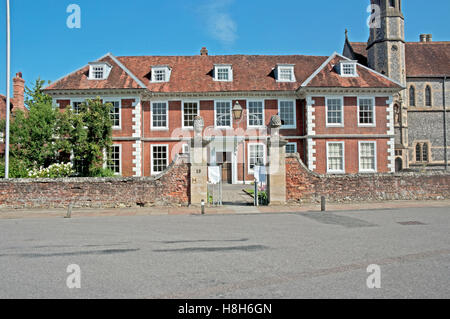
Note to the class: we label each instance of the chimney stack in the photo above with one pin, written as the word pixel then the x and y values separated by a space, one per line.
pixel 423 38
pixel 429 38
pixel 18 100
pixel 204 51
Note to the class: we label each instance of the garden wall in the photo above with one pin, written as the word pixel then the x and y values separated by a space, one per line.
pixel 305 186
pixel 171 188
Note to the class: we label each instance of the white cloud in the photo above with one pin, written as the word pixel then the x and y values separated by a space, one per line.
pixel 219 22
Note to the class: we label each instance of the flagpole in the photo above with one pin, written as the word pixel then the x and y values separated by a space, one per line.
pixel 8 89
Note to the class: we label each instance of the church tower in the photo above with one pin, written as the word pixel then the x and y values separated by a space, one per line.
pixel 386 45
pixel 386 54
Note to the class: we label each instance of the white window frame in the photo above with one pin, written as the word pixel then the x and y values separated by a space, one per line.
pixel 72 101
pixel 342 111
pixel 185 149
pixel 288 127
pixel 289 67
pixel 109 100
pixel 342 66
pixel 250 170
pixel 263 113
pixel 106 70
pixel 182 113
pixel 329 171
pixel 159 128
pixel 166 70
pixel 215 114
pixel 223 66
pixel 295 147
pixel 375 157
pixel 120 160
pixel 152 159
pixel 373 111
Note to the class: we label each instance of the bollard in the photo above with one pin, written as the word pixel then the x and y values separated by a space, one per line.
pixel 256 197
pixel 69 211
pixel 322 203
pixel 203 207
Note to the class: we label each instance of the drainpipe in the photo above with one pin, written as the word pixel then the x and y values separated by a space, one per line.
pixel 445 125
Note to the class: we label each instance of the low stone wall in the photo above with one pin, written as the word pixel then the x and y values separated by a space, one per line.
pixel 171 188
pixel 305 186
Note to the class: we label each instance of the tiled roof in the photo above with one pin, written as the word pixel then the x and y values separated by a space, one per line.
pixel 422 58
pixel 329 77
pixel 195 74
pixel 78 80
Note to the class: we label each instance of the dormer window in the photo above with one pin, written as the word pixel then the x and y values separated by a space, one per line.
pixel 223 72
pixel 348 68
pixel 99 70
pixel 160 74
pixel 285 73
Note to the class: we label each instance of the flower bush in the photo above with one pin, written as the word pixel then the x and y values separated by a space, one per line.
pixel 53 171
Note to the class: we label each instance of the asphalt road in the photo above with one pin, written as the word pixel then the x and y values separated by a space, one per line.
pixel 305 255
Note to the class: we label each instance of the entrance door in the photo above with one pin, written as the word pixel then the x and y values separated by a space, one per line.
pixel 224 159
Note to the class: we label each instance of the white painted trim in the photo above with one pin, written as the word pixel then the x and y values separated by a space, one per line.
pixel 159 128
pixel 310 116
pixel 120 159
pixel 215 114
pixel 311 154
pixel 290 67
pixel 263 112
pixel 167 73
pixel 152 172
pixel 374 111
pixel 375 159
pixel 182 113
pixel 355 69
pixel 294 101
pixel 343 158
pixel 342 111
pixel 106 100
pixel 134 77
pixel 295 147
pixel 249 170
pixel 391 156
pixel 229 67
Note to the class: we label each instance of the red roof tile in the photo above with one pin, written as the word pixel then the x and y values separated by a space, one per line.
pixel 78 80
pixel 329 77
pixel 422 58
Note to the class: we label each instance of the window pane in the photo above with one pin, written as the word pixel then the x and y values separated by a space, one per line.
pixel 256 155
pixel 366 111
pixel 335 157
pixel 285 74
pixel 425 152
pixel 334 111
pixel 223 114
pixel 223 74
pixel 291 148
pixel 190 111
pixel 287 113
pixel 159 157
pixel 115 113
pixel 255 113
pixel 114 159
pixel 418 153
pixel 76 107
pixel 367 156
pixel 159 114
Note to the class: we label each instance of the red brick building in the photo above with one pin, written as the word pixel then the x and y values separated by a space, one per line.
pixel 336 113
pixel 17 103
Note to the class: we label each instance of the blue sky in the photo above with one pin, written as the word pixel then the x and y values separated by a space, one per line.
pixel 43 45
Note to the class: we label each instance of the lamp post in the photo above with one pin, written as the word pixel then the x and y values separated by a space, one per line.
pixel 8 97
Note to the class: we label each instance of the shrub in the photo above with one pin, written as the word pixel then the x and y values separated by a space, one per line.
pixel 53 171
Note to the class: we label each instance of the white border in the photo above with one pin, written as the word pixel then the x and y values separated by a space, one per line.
pixel 288 127
pixel 106 100
pixel 342 111
pixel 249 170
pixel 182 113
pixel 374 111
pixel 120 160
pixel 152 172
pixel 231 114
pixel 247 102
pixel 343 157
pixel 375 159
pixel 223 66
pixel 295 147
pixel 159 128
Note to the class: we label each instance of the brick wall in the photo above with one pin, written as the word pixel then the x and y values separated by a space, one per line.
pixel 306 186
pixel 171 188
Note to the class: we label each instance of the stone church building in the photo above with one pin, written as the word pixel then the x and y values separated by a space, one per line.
pixel 423 67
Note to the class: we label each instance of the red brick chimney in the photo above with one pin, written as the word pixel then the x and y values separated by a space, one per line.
pixel 18 100
pixel 204 51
